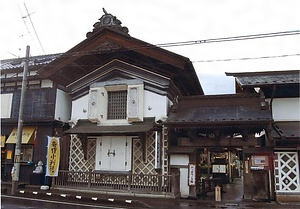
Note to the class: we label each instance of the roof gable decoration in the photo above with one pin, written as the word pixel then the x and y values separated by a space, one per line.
pixel 108 20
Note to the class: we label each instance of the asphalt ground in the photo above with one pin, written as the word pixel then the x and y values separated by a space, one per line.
pixel 130 201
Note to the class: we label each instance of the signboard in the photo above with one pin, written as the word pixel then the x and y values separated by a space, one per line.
pixel 259 162
pixel 219 169
pixel 9 154
pixel 3 139
pixel 192 175
pixel 53 156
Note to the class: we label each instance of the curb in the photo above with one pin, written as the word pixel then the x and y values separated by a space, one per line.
pixel 79 198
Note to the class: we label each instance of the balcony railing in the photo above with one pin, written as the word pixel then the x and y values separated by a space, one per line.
pixel 119 181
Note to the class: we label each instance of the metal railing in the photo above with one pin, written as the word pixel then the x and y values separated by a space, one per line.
pixel 118 181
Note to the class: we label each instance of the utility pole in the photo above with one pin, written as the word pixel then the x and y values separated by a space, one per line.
pixel 17 158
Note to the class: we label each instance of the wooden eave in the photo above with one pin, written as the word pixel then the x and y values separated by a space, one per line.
pixel 219 111
pixel 88 55
pixel 273 83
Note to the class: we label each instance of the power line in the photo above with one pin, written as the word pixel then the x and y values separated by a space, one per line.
pixel 110 49
pixel 23 18
pixel 28 15
pixel 233 38
pixel 247 58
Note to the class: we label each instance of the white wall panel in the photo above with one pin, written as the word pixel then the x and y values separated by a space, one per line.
pixel 155 105
pixel 6 103
pixel 286 109
pixel 62 106
pixel 80 108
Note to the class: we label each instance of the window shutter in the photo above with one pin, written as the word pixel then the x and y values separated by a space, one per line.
pixel 135 103
pixel 93 105
pixel 98 105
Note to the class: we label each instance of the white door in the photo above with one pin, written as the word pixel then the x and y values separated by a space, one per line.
pixel 113 153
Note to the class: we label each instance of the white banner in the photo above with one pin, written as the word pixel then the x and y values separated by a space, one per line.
pixel 53 156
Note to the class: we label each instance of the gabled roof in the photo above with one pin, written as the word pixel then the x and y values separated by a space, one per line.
pixel 106 43
pixel 220 110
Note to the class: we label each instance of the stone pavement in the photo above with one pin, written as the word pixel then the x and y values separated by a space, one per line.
pixel 135 201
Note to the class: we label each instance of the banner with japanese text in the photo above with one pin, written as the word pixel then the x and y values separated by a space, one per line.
pixel 53 156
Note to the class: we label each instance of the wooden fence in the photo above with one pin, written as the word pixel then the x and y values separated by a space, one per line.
pixel 118 181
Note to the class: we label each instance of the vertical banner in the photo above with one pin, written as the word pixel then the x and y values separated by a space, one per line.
pixel 53 156
pixel 192 175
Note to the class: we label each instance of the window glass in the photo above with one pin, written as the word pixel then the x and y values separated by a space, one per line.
pixel 26 153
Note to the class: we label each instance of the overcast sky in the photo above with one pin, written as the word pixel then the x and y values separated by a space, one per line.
pixel 61 24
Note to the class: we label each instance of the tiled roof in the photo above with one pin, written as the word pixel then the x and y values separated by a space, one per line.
pixel 266 78
pixel 33 61
pixel 86 127
pixel 220 109
pixel 286 129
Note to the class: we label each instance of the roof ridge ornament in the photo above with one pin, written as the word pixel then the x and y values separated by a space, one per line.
pixel 108 20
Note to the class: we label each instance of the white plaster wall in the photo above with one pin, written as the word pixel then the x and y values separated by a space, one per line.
pixel 179 160
pixel 47 84
pixel 6 103
pixel 155 105
pixel 62 106
pixel 184 188
pixel 80 108
pixel 182 162
pixel 286 109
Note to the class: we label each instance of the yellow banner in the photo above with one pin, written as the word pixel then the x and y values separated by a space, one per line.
pixel 3 139
pixel 53 156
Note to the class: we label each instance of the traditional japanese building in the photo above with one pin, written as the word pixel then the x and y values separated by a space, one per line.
pixel 121 90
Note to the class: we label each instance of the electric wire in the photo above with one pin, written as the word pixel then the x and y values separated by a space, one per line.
pixel 247 58
pixel 233 38
pixel 113 49
pixel 34 29
pixel 26 26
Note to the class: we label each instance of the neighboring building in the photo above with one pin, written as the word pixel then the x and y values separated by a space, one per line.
pixel 281 91
pixel 46 111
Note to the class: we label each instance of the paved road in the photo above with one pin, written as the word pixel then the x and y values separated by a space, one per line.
pixel 11 202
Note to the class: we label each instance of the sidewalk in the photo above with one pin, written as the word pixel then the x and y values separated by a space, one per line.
pixel 133 201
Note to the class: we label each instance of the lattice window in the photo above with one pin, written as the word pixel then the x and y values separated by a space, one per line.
pixel 77 161
pixel 287 171
pixel 139 166
pixel 117 105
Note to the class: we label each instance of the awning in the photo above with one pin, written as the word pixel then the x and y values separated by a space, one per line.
pixel 286 134
pixel 86 127
pixel 286 130
pixel 3 138
pixel 27 135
